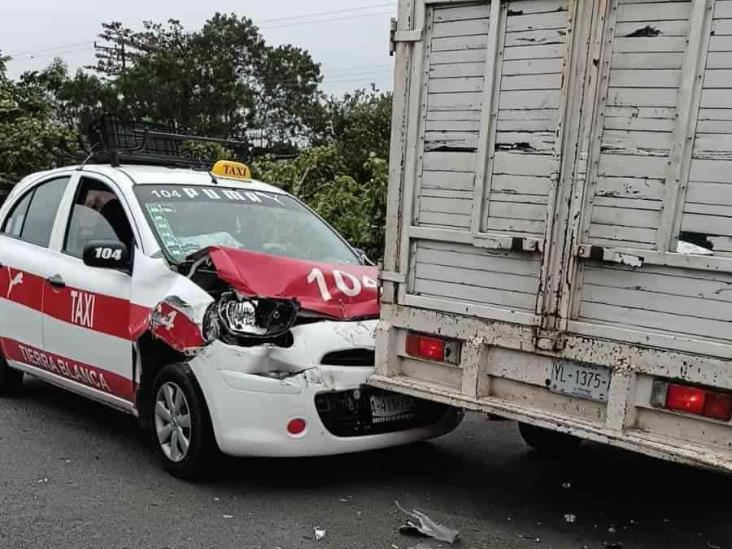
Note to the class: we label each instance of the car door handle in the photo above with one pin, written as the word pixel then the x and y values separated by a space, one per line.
pixel 56 281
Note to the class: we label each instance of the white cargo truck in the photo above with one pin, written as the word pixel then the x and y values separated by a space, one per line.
pixel 559 228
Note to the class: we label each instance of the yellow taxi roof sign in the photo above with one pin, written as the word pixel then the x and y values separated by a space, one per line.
pixel 232 170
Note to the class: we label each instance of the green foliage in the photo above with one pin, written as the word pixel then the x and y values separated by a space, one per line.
pixel 344 177
pixel 28 123
pixel 205 151
pixel 320 177
pixel 221 81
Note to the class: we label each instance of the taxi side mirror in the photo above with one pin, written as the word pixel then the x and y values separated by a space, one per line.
pixel 107 254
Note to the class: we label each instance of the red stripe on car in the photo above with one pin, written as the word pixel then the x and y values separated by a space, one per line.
pixel 175 328
pixel 89 310
pixel 67 368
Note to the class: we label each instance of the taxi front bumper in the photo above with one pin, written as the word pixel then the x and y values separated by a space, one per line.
pixel 250 414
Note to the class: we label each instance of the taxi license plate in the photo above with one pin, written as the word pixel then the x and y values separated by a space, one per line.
pixel 580 379
pixel 386 407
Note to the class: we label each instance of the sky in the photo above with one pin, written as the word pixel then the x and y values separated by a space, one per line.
pixel 349 39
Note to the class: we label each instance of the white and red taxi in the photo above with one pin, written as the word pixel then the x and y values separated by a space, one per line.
pixel 219 310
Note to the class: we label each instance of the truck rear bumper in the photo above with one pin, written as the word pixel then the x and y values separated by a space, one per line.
pixel 658 446
pixel 502 372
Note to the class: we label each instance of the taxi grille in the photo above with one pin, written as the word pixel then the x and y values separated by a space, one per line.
pixel 351 413
pixel 350 357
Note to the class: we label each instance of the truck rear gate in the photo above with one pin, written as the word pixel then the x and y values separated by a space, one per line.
pixel 559 168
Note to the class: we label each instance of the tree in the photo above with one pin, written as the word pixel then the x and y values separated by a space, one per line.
pixel 320 177
pixel 344 177
pixel 28 124
pixel 359 124
pixel 221 81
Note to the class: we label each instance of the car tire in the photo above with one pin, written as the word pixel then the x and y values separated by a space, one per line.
pixel 179 422
pixel 547 442
pixel 10 379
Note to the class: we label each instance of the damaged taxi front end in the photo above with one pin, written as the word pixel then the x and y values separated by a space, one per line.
pixel 282 350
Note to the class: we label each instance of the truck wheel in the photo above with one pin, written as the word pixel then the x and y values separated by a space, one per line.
pixel 547 442
pixel 10 379
pixel 180 424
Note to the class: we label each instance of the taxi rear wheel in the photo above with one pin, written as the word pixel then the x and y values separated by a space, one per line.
pixel 179 422
pixel 10 379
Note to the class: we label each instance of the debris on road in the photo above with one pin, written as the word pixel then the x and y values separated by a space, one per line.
pixel 319 533
pixel 425 526
pixel 534 539
pixel 228 516
pixel 569 517
pixel 566 485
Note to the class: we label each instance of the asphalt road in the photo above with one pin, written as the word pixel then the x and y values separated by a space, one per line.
pixel 74 474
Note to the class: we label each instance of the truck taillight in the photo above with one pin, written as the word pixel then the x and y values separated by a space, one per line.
pixel 685 399
pixel 432 348
pixel 693 400
pixel 718 406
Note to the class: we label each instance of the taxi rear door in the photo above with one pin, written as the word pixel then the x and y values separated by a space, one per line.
pixel 25 260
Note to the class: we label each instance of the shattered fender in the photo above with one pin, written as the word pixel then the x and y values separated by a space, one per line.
pixel 170 305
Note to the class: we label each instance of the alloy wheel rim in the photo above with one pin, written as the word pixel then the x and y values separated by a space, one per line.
pixel 173 421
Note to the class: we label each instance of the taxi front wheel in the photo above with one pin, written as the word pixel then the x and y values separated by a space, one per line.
pixel 10 379
pixel 180 424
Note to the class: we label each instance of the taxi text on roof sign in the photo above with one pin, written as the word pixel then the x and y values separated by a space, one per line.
pixel 231 170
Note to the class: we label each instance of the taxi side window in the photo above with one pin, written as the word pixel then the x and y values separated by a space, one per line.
pixel 97 214
pixel 33 216
pixel 14 222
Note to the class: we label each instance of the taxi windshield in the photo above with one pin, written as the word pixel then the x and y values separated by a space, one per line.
pixel 186 219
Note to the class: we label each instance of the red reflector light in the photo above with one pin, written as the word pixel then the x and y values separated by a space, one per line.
pixel 297 426
pixel 420 346
pixel 718 406
pixel 685 399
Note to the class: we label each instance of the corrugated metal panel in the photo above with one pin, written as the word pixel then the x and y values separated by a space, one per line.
pixel 707 212
pixel 530 84
pixel 455 57
pixel 466 274
pixel 639 120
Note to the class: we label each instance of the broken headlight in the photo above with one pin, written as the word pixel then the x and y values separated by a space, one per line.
pixel 249 317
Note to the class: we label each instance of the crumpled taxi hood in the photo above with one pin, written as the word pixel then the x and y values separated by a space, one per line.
pixel 338 291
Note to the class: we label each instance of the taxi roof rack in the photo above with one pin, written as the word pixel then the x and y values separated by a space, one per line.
pixel 115 141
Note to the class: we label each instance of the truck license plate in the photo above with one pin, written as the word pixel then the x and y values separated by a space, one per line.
pixel 580 379
pixel 385 407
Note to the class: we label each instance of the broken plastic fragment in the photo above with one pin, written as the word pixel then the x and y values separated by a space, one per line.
pixel 319 533
pixel 687 248
pixel 426 526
